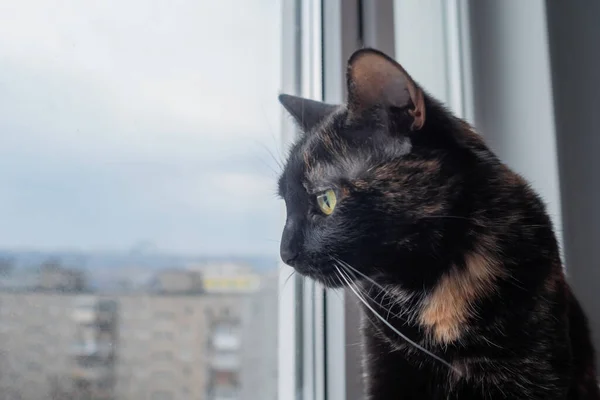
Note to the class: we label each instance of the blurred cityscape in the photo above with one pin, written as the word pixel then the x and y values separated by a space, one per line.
pixel 137 327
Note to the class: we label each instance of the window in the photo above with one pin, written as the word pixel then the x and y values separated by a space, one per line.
pixel 163 335
pixel 139 151
pixel 162 356
pixel 33 366
pixel 166 315
pixel 139 145
pixel 162 395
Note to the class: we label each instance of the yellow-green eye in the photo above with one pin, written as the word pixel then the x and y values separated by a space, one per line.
pixel 326 201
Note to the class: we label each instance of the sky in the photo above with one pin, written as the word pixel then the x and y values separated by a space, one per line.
pixel 140 121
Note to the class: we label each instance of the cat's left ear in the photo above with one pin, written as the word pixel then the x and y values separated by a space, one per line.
pixel 374 79
pixel 307 113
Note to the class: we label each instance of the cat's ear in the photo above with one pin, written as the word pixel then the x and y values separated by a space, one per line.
pixel 307 113
pixel 374 79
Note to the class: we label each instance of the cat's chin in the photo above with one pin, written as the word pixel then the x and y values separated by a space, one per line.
pixel 330 281
pixel 328 276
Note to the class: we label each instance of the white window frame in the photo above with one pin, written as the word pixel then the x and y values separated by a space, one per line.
pixel 301 367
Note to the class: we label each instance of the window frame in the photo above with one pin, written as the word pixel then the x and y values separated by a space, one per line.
pixel 296 308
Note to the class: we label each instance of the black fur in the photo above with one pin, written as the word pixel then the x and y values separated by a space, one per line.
pixel 454 249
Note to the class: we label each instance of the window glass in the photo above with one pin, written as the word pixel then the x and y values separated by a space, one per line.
pixel 138 159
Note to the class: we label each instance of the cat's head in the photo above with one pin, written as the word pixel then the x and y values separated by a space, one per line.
pixel 371 184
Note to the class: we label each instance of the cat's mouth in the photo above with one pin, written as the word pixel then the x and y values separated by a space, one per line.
pixel 332 274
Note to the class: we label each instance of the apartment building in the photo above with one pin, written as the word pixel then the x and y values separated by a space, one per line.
pixel 260 341
pixel 164 344
pixel 93 352
pixel 55 346
pixel 52 276
pixel 36 337
pixel 144 346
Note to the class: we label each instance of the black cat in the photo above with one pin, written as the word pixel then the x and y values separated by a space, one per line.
pixel 452 254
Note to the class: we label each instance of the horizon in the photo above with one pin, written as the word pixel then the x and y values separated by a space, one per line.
pixel 131 252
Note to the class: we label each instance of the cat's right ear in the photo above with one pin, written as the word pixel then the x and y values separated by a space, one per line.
pixel 307 113
pixel 374 79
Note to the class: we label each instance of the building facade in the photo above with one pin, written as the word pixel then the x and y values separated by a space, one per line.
pixel 143 346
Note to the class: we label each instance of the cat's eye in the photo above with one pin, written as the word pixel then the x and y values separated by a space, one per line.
pixel 326 201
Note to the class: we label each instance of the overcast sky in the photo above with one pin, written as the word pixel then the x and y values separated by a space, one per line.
pixel 139 120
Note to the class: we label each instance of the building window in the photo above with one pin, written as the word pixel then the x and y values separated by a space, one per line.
pixel 162 356
pixel 166 315
pixel 162 395
pixel 163 335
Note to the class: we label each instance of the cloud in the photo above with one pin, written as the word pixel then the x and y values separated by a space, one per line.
pixel 152 121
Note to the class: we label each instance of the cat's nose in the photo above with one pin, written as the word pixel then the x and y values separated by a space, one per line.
pixel 291 239
pixel 288 255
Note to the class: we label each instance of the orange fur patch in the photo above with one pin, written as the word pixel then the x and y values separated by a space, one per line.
pixel 446 310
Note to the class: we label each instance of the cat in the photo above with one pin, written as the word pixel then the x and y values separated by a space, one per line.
pixel 451 253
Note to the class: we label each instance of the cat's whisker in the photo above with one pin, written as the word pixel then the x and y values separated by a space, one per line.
pixel 392 301
pixel 277 161
pixel 268 165
pixel 340 264
pixel 388 307
pixel 276 142
pixel 337 293
pixel 356 271
pixel 383 292
pixel 490 342
pixel 288 278
pixel 389 325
